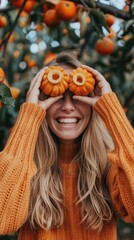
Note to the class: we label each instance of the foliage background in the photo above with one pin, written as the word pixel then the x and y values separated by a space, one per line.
pixel 26 43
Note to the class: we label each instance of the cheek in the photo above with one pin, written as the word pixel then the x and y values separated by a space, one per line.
pixel 85 111
pixel 50 115
pixel 51 111
pixel 50 121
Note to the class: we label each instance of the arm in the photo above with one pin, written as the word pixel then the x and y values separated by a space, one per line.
pixel 121 174
pixel 17 168
pixel 16 161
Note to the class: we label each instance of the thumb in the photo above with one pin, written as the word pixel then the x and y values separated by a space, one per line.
pixel 86 99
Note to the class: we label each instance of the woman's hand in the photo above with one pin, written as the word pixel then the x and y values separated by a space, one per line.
pixel 101 87
pixel 34 92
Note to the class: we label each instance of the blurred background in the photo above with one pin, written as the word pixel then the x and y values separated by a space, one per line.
pixel 32 32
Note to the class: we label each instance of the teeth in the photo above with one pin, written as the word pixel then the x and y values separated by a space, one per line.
pixel 67 120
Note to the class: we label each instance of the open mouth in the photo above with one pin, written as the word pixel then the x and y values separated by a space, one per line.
pixel 68 121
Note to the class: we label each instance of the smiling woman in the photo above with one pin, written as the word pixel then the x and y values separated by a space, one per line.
pixel 67 119
pixel 72 159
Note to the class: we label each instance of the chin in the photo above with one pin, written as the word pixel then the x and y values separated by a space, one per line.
pixel 68 137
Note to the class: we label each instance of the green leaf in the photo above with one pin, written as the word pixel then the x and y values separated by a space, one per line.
pixel 99 18
pixel 5 95
pixel 8 100
pixel 92 3
pixel 5 91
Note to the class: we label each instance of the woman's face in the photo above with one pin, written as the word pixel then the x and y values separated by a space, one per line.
pixel 68 118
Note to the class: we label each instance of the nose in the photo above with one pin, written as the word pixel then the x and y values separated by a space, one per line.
pixel 68 104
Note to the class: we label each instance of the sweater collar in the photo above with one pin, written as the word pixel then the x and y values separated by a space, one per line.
pixel 67 152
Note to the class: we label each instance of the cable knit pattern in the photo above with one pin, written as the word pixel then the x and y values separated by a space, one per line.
pixel 120 178
pixel 17 169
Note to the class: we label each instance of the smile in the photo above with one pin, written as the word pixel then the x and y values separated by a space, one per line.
pixel 68 120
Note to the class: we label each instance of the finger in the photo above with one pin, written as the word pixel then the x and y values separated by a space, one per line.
pixel 33 81
pixel 34 87
pixel 101 83
pixel 49 101
pixel 81 98
pixel 37 78
pixel 98 76
pixel 88 100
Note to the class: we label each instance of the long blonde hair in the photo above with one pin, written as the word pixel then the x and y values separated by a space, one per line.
pixel 46 205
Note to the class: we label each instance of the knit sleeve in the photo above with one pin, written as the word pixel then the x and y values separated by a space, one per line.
pixel 121 174
pixel 17 168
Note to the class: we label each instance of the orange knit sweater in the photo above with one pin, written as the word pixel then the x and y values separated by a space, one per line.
pixel 17 169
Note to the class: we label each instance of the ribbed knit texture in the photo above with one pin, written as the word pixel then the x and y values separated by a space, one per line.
pixel 121 176
pixel 17 169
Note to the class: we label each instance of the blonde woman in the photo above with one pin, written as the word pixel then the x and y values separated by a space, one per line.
pixel 67 170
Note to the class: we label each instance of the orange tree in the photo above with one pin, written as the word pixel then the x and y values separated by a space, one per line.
pixel 32 32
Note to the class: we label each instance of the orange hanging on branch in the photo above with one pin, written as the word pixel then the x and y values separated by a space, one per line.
pixel 50 18
pixel 110 19
pixel 104 46
pixel 27 7
pixel 66 10
pixel 81 82
pixel 55 81
pixel 3 21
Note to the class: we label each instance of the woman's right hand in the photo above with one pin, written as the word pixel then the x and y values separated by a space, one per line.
pixel 34 92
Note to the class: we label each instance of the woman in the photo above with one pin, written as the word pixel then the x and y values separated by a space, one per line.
pixel 62 175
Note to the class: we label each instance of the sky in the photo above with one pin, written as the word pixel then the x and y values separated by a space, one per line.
pixel 117 3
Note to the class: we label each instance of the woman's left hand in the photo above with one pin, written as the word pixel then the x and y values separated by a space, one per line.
pixel 101 87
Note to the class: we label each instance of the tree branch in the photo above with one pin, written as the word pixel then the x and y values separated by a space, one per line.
pixel 108 9
pixel 5 40
pixel 87 36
